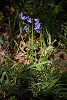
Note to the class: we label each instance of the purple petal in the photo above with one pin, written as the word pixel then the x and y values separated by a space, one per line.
pixel 38 25
pixel 21 15
pixel 25 28
pixel 29 19
pixel 23 18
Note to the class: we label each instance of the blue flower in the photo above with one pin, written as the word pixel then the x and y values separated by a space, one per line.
pixel 37 25
pixel 29 19
pixel 21 15
pixel 25 28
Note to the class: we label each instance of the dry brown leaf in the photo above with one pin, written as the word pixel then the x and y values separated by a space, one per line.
pixel 22 59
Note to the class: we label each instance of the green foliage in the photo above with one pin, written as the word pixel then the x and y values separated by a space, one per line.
pixel 38 74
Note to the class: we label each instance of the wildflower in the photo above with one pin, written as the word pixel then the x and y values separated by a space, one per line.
pixel 25 28
pixel 29 19
pixel 21 15
pixel 37 25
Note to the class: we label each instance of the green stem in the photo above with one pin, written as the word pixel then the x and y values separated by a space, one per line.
pixel 49 37
pixel 32 42
pixel 29 40
pixel 41 44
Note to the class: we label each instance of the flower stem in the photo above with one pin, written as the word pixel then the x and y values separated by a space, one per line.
pixel 32 42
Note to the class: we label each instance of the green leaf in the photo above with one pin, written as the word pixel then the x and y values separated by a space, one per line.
pixel 53 83
pixel 2 78
pixel 42 63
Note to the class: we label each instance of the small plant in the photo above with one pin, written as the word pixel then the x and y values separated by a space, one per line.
pixel 43 77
